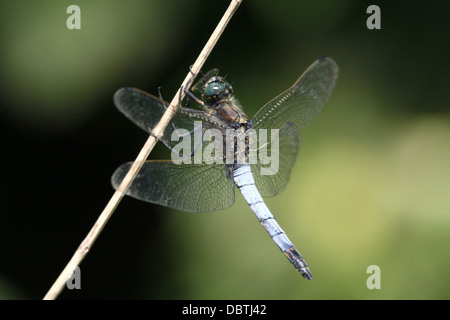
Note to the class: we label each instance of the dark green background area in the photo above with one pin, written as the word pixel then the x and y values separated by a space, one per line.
pixel 371 185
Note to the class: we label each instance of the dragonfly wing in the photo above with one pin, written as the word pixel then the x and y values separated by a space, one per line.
pixel 146 110
pixel 289 112
pixel 185 187
pixel 302 102
pixel 271 177
pixel 198 87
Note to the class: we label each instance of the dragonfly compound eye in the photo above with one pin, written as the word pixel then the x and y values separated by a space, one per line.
pixel 217 89
pixel 213 89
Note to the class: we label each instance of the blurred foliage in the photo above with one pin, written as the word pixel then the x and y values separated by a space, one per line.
pixel 371 185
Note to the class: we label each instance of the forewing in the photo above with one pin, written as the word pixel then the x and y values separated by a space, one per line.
pixel 146 110
pixel 289 112
pixel 301 103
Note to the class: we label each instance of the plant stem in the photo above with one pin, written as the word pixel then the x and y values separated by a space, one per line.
pixel 109 209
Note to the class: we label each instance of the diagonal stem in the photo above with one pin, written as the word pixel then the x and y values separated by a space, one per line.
pixel 109 209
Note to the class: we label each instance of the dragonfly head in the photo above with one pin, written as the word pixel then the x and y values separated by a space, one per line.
pixel 216 89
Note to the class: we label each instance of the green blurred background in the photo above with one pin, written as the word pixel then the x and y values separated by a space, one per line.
pixel 371 185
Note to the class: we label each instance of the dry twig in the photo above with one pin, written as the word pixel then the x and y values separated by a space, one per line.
pixel 107 212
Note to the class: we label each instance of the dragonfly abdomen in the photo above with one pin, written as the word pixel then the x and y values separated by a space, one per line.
pixel 244 180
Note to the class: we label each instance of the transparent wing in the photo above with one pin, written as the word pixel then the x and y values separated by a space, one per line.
pixel 301 103
pixel 146 110
pixel 185 187
pixel 271 177
pixel 198 87
pixel 289 112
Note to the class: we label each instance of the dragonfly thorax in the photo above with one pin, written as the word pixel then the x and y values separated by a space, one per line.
pixel 229 110
pixel 218 96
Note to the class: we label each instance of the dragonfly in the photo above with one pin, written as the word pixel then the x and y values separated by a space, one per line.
pixel 207 183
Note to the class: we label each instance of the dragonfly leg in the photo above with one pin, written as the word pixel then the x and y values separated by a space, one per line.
pixel 187 133
pixel 193 97
pixel 190 70
pixel 199 140
pixel 187 92
pixel 188 84
pixel 161 98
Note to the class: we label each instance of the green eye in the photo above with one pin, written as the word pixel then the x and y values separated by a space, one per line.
pixel 214 89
